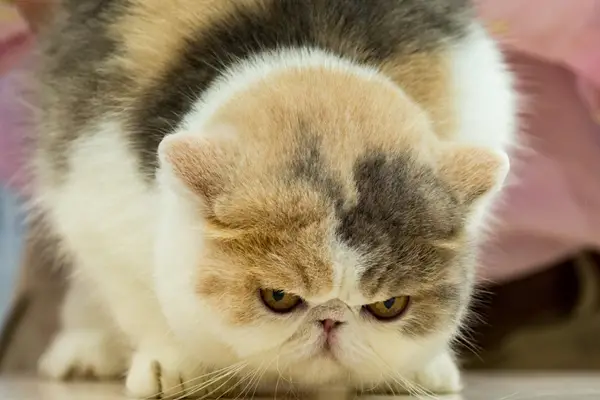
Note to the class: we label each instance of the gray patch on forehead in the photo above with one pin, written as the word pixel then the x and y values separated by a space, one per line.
pixel 402 209
pixel 308 165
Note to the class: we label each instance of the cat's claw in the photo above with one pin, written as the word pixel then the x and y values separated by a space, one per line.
pixel 85 355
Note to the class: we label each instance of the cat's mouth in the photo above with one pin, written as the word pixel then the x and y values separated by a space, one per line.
pixel 327 349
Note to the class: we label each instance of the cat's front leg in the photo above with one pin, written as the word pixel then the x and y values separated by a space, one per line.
pixel 89 345
pixel 156 371
pixel 439 376
pixel 162 369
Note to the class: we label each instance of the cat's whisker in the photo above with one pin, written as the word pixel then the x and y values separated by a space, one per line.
pixel 250 378
pixel 473 348
pixel 278 380
pixel 238 365
pixel 216 390
pixel 231 375
pixel 229 372
pixel 412 387
pixel 248 387
pixel 231 389
pixel 260 378
pixel 391 389
pixel 262 374
pixel 197 378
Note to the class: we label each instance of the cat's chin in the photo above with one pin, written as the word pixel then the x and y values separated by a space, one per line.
pixel 323 368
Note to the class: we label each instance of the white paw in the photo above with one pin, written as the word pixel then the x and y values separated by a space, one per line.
pixel 162 373
pixel 83 354
pixel 157 373
pixel 441 376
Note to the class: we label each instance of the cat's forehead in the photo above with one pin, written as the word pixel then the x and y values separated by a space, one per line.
pixel 381 227
pixel 335 166
pixel 405 223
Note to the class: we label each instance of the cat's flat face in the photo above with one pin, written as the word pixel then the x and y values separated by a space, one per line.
pixel 322 239
pixel 387 290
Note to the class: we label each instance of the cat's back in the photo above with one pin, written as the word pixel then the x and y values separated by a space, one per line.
pixel 119 75
pixel 145 62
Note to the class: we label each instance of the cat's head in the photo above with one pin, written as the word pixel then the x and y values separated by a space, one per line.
pixel 315 226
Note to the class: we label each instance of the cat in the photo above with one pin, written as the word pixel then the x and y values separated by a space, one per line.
pixel 268 194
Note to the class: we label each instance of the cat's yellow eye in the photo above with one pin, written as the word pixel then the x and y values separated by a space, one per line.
pixel 390 309
pixel 279 301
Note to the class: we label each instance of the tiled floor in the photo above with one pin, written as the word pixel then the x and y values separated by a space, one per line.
pixel 481 387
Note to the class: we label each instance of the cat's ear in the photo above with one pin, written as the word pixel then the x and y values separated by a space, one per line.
pixel 202 164
pixel 473 172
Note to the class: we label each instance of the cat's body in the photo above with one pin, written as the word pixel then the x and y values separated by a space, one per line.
pixel 343 152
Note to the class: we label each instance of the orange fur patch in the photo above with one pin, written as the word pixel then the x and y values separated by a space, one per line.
pixel 471 171
pixel 154 32
pixel 296 261
pixel 370 114
pixel 427 78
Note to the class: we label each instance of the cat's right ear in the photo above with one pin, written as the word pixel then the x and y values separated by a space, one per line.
pixel 473 172
pixel 201 164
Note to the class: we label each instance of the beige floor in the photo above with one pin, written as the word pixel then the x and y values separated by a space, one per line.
pixel 482 387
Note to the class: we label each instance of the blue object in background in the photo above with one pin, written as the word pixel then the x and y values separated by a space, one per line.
pixel 11 245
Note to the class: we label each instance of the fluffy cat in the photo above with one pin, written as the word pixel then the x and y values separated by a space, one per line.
pixel 268 194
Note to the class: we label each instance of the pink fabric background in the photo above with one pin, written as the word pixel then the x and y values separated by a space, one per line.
pixel 553 207
pixel 15 44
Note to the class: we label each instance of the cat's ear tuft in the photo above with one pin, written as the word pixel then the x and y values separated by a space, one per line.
pixel 199 163
pixel 473 172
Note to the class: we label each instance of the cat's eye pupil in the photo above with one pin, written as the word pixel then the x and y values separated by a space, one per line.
pixel 389 303
pixel 278 295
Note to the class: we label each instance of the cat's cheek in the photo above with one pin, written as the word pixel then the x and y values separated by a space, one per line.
pixel 189 317
pixel 369 349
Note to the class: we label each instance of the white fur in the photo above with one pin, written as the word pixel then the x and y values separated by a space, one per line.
pixel 487 102
pixel 140 248
pixel 257 68
pixel 487 108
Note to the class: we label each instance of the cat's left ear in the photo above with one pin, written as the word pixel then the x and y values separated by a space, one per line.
pixel 202 164
pixel 473 172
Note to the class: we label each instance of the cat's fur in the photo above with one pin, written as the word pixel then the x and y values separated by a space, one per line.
pixel 192 152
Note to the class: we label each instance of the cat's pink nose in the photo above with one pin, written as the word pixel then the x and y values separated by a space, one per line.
pixel 329 325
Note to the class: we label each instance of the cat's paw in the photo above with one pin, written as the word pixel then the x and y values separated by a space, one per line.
pixel 161 373
pixel 441 376
pixel 84 355
pixel 155 373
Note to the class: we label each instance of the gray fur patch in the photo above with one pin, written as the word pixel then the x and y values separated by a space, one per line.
pixel 75 83
pixel 402 210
